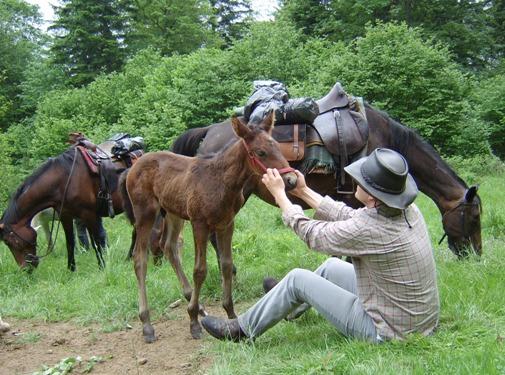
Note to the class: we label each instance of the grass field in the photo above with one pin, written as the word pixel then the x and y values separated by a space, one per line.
pixel 470 339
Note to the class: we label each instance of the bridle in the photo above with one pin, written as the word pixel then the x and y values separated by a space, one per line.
pixel 466 231
pixel 257 162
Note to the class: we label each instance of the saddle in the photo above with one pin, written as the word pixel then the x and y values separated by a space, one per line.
pixel 340 127
pixel 105 165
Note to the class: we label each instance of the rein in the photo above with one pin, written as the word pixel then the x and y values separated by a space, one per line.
pixel 255 161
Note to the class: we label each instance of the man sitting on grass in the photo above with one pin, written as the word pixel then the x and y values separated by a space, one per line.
pixel 389 290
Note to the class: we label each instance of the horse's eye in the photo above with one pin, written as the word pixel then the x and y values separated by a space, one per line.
pixel 261 153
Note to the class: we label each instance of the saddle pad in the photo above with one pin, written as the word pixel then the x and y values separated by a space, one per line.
pixel 90 161
pixel 291 139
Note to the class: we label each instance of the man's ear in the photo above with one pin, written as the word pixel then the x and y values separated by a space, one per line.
pixel 240 129
pixel 269 121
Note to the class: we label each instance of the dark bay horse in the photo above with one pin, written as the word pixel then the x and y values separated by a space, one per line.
pixel 66 184
pixel 459 205
pixel 208 193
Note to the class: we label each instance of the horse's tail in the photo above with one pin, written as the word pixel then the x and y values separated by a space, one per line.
pixel 127 203
pixel 188 142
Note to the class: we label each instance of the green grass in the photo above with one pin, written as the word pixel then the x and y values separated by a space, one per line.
pixel 470 339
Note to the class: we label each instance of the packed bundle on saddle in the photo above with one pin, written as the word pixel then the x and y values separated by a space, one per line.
pixel 108 160
pixel 320 136
pixel 127 147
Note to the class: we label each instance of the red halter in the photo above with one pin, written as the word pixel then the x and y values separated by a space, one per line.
pixel 262 167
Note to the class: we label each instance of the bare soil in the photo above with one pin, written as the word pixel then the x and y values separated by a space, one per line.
pixel 30 345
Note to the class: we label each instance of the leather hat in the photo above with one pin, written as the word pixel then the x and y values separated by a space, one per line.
pixel 384 174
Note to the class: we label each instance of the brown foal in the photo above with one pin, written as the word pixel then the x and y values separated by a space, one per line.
pixel 207 192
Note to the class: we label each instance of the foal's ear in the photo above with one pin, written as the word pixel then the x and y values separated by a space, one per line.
pixel 471 193
pixel 240 129
pixel 269 121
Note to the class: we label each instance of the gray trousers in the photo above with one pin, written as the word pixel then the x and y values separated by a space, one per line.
pixel 331 290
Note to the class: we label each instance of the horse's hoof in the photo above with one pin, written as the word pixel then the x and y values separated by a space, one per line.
pixel 202 311
pixel 196 330
pixel 148 333
pixel 232 315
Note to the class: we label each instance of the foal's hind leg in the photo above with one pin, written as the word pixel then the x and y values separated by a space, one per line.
pixel 200 235
pixel 224 237
pixel 143 226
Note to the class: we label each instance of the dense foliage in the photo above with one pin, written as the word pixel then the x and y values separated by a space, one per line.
pixel 157 68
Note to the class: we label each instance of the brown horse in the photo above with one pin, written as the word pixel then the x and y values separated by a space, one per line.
pixel 208 192
pixel 66 184
pixel 459 205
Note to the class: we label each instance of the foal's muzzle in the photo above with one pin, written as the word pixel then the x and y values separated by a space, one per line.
pixel 290 180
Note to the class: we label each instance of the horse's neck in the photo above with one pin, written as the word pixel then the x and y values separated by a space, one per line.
pixel 435 178
pixel 233 167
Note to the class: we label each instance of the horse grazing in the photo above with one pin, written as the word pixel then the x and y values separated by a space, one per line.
pixel 459 205
pixel 66 184
pixel 206 191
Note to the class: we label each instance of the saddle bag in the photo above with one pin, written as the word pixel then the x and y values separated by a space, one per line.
pixel 291 139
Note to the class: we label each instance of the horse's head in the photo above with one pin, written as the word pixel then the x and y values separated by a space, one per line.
pixel 22 241
pixel 263 150
pixel 462 225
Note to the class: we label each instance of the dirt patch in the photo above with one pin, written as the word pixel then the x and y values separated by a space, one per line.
pixel 30 344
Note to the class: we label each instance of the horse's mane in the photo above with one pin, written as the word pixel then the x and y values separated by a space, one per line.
pixel 63 160
pixel 188 142
pixel 405 139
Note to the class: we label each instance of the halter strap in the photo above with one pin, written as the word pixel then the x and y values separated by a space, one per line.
pixel 255 161
pixel 463 226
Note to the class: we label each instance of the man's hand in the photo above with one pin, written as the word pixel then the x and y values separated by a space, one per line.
pixel 301 185
pixel 274 182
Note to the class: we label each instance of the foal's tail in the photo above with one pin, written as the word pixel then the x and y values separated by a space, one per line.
pixel 188 142
pixel 127 203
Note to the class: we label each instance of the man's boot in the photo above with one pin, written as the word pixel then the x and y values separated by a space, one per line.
pixel 223 329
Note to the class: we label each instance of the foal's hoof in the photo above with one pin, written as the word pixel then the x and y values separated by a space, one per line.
pixel 149 336
pixel 196 330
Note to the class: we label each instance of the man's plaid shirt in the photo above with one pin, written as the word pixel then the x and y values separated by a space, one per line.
pixel 394 264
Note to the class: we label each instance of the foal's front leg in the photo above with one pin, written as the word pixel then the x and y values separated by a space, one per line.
pixel 224 237
pixel 200 235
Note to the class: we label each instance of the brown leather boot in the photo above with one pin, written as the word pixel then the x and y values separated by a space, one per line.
pixel 269 283
pixel 223 329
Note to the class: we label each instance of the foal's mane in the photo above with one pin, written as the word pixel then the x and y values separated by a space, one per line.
pixel 406 140
pixel 64 160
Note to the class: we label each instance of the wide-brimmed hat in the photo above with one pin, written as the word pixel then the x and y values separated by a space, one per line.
pixel 384 174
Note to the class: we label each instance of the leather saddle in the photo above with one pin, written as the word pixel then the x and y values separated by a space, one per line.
pixel 101 162
pixel 343 129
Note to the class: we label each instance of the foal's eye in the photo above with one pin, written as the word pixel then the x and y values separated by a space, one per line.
pixel 261 153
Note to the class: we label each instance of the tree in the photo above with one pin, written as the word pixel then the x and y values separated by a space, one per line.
pixel 170 26
pixel 19 42
pixel 461 24
pixel 89 39
pixel 231 18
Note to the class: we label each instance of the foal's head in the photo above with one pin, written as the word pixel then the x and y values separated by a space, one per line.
pixel 22 241
pixel 263 150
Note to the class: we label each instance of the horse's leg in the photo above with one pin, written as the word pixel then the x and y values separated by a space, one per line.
pixel 172 227
pixel 132 244
pixel 68 227
pixel 82 233
pixel 200 235
pixel 224 241
pixel 157 240
pixel 143 226
pixel 93 227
